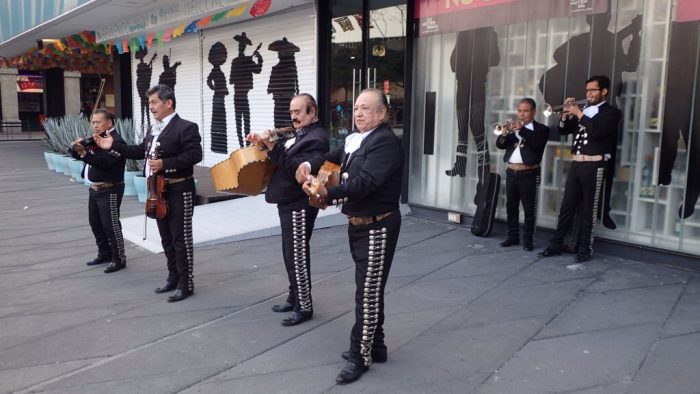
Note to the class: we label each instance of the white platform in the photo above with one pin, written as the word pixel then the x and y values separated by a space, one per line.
pixel 226 221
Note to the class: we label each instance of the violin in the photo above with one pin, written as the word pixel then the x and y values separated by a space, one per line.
pixel 156 204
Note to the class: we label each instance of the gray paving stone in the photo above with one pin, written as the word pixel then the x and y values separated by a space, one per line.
pixel 574 362
pixel 501 305
pixel 672 367
pixel 622 308
pixel 15 379
pixel 503 262
pixel 686 316
pixel 630 274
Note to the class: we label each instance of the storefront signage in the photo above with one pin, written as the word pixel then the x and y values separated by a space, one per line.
pixel 166 14
pixel 187 11
pixel 30 84
pixel 581 6
pixel 444 16
pixel 426 8
pixel 687 10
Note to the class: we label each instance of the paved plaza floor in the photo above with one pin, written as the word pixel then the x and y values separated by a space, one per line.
pixel 463 314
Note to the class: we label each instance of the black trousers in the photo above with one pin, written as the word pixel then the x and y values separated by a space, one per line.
pixel 297 223
pixel 522 186
pixel 372 247
pixel 176 234
pixel 583 186
pixel 103 215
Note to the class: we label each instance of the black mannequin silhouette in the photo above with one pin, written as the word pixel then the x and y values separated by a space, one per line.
pixel 242 69
pixel 144 71
pixel 284 80
pixel 217 82
pixel 169 75
pixel 475 52
pixel 603 55
pixel 678 111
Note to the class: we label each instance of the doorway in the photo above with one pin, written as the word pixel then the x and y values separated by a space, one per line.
pixel 367 50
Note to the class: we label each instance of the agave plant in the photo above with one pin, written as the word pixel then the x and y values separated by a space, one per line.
pixel 61 132
pixel 132 136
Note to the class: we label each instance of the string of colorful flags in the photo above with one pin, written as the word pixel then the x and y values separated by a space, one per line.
pixel 80 52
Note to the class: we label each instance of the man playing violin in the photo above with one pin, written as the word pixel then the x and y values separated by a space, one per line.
pixel 371 162
pixel 105 171
pixel 179 146
pixel 524 146
pixel 297 218
pixel 595 130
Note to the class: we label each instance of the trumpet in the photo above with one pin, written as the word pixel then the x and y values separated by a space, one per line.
pixel 549 110
pixel 506 127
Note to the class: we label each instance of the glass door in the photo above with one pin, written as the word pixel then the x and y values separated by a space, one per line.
pixel 367 50
pixel 386 53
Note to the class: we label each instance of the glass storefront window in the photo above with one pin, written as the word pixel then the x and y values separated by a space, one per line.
pixel 468 77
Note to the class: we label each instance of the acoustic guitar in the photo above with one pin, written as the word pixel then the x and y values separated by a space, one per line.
pixel 328 175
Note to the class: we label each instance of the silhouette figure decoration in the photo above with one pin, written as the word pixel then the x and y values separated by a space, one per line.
pixel 242 69
pixel 144 71
pixel 679 110
pixel 597 52
pixel 217 82
pixel 169 75
pixel 475 52
pixel 284 80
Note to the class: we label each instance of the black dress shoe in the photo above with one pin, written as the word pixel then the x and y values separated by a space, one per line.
pixel 285 307
pixel 179 295
pixel 350 373
pixel 581 257
pixel 99 260
pixel 378 356
pixel 114 267
pixel 549 252
pixel 527 247
pixel 297 318
pixel 168 286
pixel 509 242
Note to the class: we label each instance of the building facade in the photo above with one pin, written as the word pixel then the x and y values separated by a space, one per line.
pixel 451 69
pixel 502 51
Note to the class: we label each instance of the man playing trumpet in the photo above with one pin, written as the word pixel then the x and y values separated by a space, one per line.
pixel 595 131
pixel 524 142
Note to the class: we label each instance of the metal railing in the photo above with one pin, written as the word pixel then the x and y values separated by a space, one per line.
pixel 17 130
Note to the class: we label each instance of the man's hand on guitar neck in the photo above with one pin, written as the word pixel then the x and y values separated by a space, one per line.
pixel 317 193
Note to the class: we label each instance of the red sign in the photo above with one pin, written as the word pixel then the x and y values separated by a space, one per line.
pixel 30 84
pixel 687 10
pixel 387 88
pixel 425 8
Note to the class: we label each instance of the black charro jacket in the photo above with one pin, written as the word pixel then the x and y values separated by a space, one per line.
pixel 309 142
pixel 532 144
pixel 180 148
pixel 372 185
pixel 105 166
pixel 596 135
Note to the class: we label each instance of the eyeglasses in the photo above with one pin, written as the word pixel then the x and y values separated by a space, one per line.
pixel 592 90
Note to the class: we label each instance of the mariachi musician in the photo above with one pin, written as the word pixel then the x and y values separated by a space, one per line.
pixel 371 162
pixel 297 218
pixel 595 130
pixel 179 146
pixel 524 144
